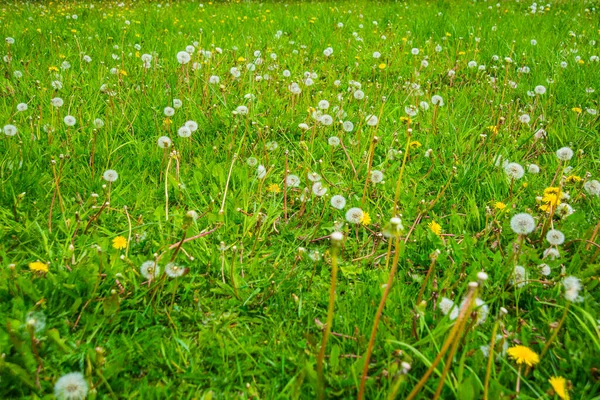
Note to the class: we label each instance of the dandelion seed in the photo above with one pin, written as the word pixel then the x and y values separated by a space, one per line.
pixel 169 111
pixel 544 269
pixel 533 169
pixel 372 120
pixel 445 305
pixel 314 177
pixel 437 100
pixel 333 141
pixel 540 90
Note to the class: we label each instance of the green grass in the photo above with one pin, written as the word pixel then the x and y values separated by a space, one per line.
pixel 254 329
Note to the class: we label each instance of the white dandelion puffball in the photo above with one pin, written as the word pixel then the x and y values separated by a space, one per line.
pixel 323 104
pixel 354 215
pixel 177 103
pixel 376 176
pixel 338 202
pixel 192 125
pixel 544 269
pixel 70 120
pixel 326 119
pixel 72 386
pixel 572 287
pixel 169 111
pixel 214 80
pixel 98 123
pixel 261 172
pixel 359 94
pixel 184 132
pixel 292 181
pixel 564 153
pixel 551 253
pixel 525 118
pixel 520 276
pixel 411 110
pixel 372 120
pixel 414 51
pixel 36 320
pixel 110 175
pixel 522 224
pixel 146 58
pixel 164 142
pixel 445 305
pixel 348 126
pixel 57 102
pixel 240 110
pixel 318 189
pixel 437 100
pixel 555 237
pixel 314 177
pixel 22 107
pixel 591 187
pixel 514 170
pixel 533 169
pixel 183 57
pixel 173 270
pixel 333 141
pixel 150 270
pixel 540 89
pixel 10 130
pixel 252 161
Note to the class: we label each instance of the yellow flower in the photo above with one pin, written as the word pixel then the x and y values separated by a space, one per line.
pixel 119 243
pixel 53 69
pixel 577 110
pixel 415 144
pixel 573 179
pixel 241 59
pixel 382 66
pixel 365 219
pixel 523 355
pixel 499 205
pixel 123 72
pixel 38 266
pixel 551 199
pixel 461 53
pixel 559 384
pixel 274 188
pixel 167 121
pixel 435 228
pixel 493 128
pixel 581 62
pixel 405 119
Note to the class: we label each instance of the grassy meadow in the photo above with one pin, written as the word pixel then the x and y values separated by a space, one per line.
pixel 372 200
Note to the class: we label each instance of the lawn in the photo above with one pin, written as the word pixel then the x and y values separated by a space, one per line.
pixel 302 200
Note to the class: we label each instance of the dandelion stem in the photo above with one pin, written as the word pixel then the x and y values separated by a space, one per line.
pixel 222 210
pixel 328 324
pixel 167 189
pixel 488 371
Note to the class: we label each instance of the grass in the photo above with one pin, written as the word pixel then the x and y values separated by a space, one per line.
pixel 247 317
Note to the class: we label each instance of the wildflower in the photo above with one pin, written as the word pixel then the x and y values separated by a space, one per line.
pixel 573 179
pixel 70 120
pixel 551 199
pixel 572 287
pixel 348 126
pixel 577 110
pixel 71 387
pixel 437 100
pixel 514 171
pixel 164 142
pixel 382 66
pixel 359 94
pixel 110 175
pixel 372 120
pixel 338 202
pixel 544 269
pixel 22 107
pixel 318 189
pixel 500 206
pixel 192 125
pixel 326 119
pixel 354 215
pixel 119 243
pixel 273 188
pixel 10 130
pixel 551 253
pixel 261 172
pixel 415 144
pixel 376 176
pixel 435 228
pixel 555 237
pixel 564 153
pixel 522 224
pixel 533 169
pixel 333 141
pixel 523 355
pixel 35 320
pixel 365 219
pixel 520 276
pixel 169 111
pixel 183 57
pixel 445 305
pixel 38 266
pixel 314 177
pixel 184 132
pixel 173 270
pixel 591 187
pixel 559 385
pixel 150 270
pixel 292 181
pixel 540 89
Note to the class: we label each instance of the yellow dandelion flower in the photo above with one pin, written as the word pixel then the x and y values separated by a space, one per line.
pixel 461 53
pixel 573 179
pixel 559 384
pixel 382 66
pixel 365 219
pixel 577 110
pixel 493 128
pixel 53 69
pixel 274 188
pixel 167 121
pixel 499 205
pixel 241 59
pixel 119 243
pixel 435 228
pixel 581 62
pixel 123 72
pixel 523 355
pixel 405 119
pixel 415 144
pixel 38 266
